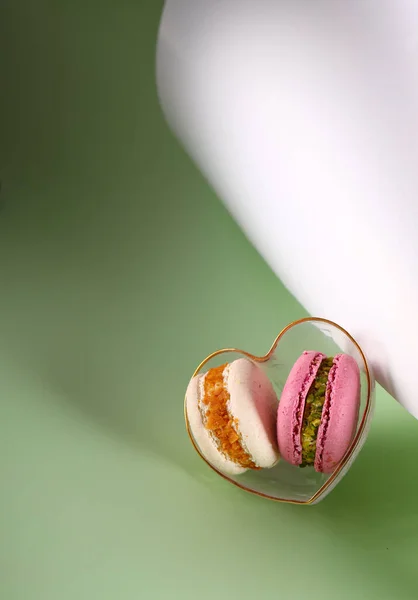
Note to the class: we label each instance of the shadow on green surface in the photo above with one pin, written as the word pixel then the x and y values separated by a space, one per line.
pixel 103 239
pixel 378 499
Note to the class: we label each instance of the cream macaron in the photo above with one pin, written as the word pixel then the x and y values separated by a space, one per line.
pixel 231 411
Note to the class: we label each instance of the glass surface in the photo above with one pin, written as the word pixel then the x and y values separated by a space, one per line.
pixel 286 482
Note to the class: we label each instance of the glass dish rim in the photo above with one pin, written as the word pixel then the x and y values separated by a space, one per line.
pixel 265 358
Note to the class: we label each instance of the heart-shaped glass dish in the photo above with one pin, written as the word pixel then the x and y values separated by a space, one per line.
pixel 284 482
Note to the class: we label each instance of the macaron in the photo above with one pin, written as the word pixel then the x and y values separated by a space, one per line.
pixel 318 410
pixel 232 415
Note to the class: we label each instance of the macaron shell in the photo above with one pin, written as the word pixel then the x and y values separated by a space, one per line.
pixel 292 404
pixel 339 414
pixel 202 437
pixel 253 402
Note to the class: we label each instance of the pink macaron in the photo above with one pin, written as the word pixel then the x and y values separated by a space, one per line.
pixel 318 410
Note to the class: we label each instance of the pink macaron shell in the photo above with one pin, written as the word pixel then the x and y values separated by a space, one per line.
pixel 339 414
pixel 292 404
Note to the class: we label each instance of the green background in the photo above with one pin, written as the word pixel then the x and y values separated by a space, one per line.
pixel 119 271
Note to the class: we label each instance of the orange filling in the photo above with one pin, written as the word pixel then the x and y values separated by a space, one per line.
pixel 219 422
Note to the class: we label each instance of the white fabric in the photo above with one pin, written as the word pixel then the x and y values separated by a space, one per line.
pixel 304 117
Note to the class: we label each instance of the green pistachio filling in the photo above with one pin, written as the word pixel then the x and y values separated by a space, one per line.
pixel 313 412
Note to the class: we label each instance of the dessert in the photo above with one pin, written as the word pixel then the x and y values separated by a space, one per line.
pixel 318 410
pixel 232 414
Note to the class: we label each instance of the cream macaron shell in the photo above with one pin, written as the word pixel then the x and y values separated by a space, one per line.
pixel 201 435
pixel 253 403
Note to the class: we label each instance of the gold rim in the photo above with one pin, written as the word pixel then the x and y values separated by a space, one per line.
pixel 265 358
